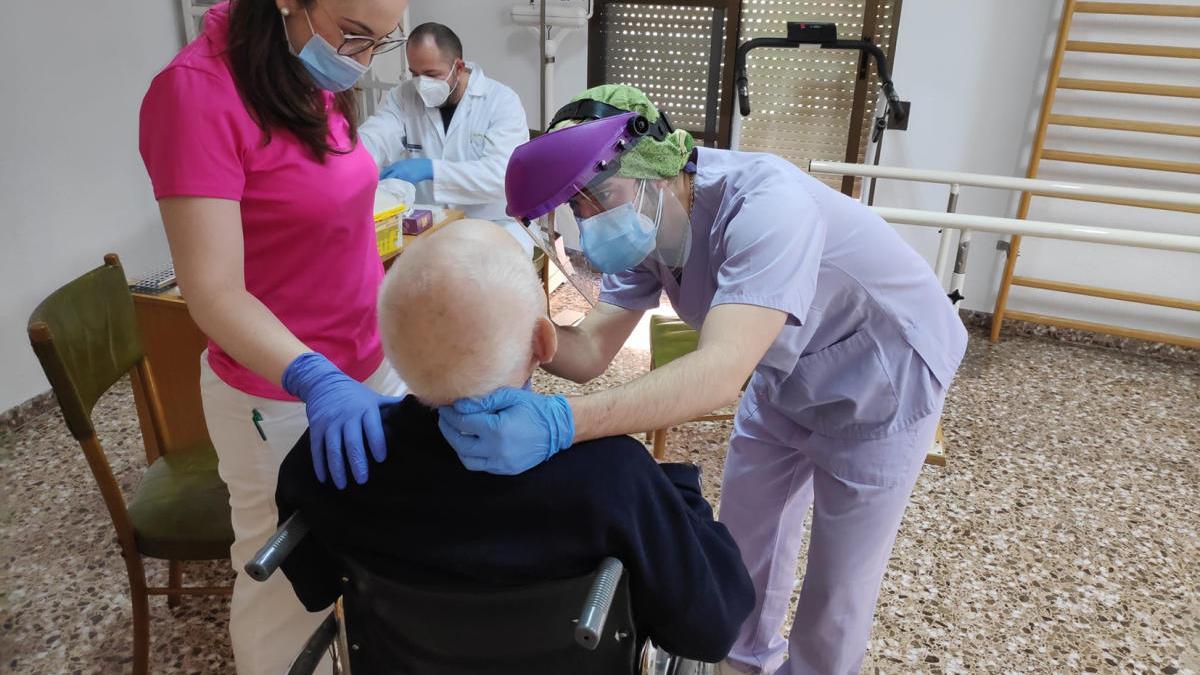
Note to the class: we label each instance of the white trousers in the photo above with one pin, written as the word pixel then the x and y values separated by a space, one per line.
pixel 267 623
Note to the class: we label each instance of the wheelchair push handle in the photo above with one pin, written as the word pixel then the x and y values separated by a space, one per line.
pixel 267 560
pixel 597 603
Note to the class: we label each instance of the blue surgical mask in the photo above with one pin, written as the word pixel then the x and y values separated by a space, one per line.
pixel 329 69
pixel 619 238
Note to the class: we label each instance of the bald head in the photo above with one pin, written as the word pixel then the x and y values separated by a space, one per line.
pixel 462 313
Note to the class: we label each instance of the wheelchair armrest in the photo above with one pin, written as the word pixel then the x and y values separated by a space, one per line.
pixel 590 627
pixel 267 560
pixel 314 648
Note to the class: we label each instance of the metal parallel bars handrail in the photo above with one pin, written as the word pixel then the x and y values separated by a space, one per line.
pixel 1018 227
pixel 1099 235
pixel 1040 186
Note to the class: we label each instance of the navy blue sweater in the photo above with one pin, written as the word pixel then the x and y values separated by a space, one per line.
pixel 424 518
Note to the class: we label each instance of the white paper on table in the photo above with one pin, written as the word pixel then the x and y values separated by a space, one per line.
pixel 393 192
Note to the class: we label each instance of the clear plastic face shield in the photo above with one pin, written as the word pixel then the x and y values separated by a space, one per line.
pixel 613 224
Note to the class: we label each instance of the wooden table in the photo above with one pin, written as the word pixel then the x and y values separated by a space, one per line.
pixel 173 343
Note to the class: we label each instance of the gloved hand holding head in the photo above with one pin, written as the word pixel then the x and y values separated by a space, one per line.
pixel 463 321
pixel 462 313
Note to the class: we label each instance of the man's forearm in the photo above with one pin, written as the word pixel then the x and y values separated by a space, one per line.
pixel 690 386
pixel 732 341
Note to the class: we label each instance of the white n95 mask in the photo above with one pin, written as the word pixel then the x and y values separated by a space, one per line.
pixel 434 91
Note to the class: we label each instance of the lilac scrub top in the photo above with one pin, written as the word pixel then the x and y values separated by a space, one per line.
pixel 870 344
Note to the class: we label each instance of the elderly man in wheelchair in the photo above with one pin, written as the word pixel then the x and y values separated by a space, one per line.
pixel 598 560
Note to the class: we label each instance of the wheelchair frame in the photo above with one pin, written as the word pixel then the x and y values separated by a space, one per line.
pixel 331 635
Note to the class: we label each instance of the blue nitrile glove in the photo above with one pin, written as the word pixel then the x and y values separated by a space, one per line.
pixel 507 431
pixel 412 170
pixel 341 412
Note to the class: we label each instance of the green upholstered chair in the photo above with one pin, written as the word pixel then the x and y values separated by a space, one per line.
pixel 671 338
pixel 86 336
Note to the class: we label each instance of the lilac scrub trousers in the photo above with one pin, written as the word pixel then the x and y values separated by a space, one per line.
pixel 840 410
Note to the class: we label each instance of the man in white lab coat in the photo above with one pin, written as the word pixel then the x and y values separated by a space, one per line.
pixel 449 130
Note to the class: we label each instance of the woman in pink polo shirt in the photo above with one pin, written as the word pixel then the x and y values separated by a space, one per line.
pixel 266 196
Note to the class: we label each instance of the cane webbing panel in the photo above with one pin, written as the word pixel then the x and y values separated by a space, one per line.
pixel 672 52
pixel 802 99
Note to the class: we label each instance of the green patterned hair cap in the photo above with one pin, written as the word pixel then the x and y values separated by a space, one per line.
pixel 650 158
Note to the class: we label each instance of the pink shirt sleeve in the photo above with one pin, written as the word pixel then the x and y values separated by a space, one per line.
pixel 193 135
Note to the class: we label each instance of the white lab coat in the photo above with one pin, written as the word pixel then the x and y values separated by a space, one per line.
pixel 469 158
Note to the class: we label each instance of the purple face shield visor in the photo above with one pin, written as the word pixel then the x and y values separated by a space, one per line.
pixel 556 167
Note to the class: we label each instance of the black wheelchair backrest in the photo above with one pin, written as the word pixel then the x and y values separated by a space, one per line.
pixel 395 628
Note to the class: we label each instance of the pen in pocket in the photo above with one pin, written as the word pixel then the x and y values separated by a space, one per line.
pixel 257 418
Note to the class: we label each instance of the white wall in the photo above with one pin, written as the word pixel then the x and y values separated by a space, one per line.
pixel 507 52
pixel 975 73
pixel 972 71
pixel 1158 272
pixel 72 185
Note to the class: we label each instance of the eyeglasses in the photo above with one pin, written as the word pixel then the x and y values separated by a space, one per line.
pixel 352 45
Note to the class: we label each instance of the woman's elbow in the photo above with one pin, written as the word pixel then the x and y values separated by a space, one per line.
pixel 208 303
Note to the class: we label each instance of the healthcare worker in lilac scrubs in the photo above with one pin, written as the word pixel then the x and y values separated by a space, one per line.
pixel 846 336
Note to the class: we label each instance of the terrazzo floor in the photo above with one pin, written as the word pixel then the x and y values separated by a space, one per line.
pixel 1061 537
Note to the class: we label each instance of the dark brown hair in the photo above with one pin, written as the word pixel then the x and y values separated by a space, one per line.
pixel 273 84
pixel 446 40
